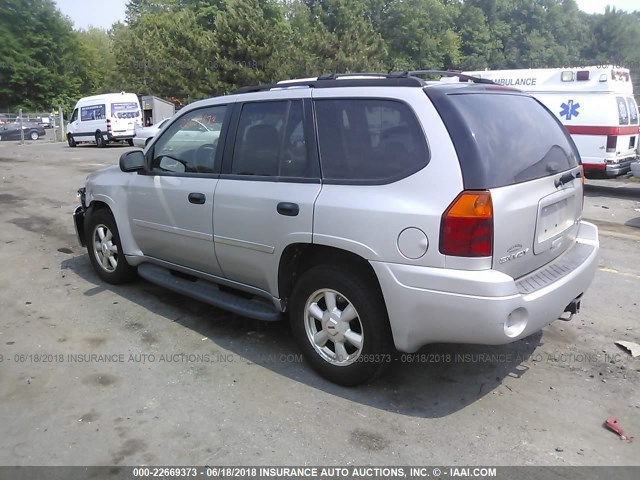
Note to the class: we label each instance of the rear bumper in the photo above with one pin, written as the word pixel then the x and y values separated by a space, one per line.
pixel 120 136
pixel 611 169
pixel 432 305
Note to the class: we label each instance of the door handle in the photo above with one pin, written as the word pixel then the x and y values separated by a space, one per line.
pixel 288 209
pixel 197 198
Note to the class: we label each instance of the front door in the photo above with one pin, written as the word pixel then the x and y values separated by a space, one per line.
pixel 171 203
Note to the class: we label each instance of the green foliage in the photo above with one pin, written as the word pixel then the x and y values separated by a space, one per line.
pixel 192 49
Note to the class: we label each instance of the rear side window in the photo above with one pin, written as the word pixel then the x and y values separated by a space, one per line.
pixel 633 111
pixel 517 138
pixel 271 141
pixel 369 140
pixel 623 113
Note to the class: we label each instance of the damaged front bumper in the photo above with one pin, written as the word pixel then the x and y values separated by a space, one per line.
pixel 78 217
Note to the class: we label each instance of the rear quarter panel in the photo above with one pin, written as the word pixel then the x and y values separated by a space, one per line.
pixel 367 219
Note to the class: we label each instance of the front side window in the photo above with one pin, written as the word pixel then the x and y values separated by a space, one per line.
pixel 190 145
pixel 270 140
pixel 74 116
pixel 92 112
pixel 369 140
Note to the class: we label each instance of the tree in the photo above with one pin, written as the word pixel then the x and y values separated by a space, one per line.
pixel 165 53
pixel 252 43
pixel 420 35
pixel 39 56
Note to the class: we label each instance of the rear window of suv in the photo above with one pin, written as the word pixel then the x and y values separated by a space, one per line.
pixel 369 141
pixel 516 138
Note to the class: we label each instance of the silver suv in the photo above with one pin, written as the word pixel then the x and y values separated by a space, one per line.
pixel 376 211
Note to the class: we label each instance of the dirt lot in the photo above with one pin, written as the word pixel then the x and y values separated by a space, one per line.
pixel 173 381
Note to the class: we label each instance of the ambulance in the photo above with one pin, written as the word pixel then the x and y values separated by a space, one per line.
pixel 596 106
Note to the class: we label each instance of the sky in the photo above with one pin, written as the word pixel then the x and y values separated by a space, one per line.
pixel 104 13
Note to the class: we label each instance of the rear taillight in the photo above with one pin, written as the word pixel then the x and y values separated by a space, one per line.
pixel 466 229
pixel 612 143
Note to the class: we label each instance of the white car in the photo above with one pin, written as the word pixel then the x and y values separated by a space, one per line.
pixel 145 134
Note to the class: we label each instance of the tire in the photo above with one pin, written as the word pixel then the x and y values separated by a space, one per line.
pixel 100 143
pixel 33 135
pixel 365 337
pixel 130 142
pixel 70 140
pixel 104 248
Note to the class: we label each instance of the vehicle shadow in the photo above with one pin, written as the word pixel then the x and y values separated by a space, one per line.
pixel 435 382
pixel 634 222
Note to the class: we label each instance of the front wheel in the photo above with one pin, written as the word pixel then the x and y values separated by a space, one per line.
pixel 339 320
pixel 130 142
pixel 70 140
pixel 105 249
pixel 34 135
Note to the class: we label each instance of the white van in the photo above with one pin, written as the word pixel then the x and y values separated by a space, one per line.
pixel 101 119
pixel 596 106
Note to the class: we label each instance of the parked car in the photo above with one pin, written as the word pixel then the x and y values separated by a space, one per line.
pixel 11 131
pixel 144 134
pixel 3 119
pixel 375 211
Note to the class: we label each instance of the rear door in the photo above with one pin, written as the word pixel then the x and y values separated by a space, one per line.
pixel 529 163
pixel 265 198
pixel 124 115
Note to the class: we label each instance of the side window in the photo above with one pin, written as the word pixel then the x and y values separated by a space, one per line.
pixel 623 113
pixel 369 140
pixel 633 111
pixel 270 140
pixel 190 144
pixel 92 112
pixel 74 116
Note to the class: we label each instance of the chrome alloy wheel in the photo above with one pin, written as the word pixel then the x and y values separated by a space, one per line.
pixel 105 250
pixel 333 327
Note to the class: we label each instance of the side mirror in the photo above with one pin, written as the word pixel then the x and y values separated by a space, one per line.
pixel 132 161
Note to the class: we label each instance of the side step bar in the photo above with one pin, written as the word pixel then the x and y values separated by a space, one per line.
pixel 209 293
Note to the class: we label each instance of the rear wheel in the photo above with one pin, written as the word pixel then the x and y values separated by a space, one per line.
pixel 105 249
pixel 130 142
pixel 340 323
pixel 100 143
pixel 70 140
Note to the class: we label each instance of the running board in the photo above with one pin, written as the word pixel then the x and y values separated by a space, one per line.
pixel 210 293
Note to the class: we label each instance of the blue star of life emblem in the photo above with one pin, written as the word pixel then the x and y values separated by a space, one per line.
pixel 569 110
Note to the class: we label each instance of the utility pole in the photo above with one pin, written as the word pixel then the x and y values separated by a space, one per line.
pixel 61 123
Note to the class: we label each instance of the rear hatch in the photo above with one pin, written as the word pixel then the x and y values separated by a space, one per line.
pixel 510 144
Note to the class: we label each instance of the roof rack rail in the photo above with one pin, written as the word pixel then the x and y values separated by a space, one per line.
pixel 443 73
pixel 339 80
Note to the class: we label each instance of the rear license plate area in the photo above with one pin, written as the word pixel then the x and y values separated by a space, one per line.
pixel 554 219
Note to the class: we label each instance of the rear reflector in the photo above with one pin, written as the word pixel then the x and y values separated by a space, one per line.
pixel 466 228
pixel 612 143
